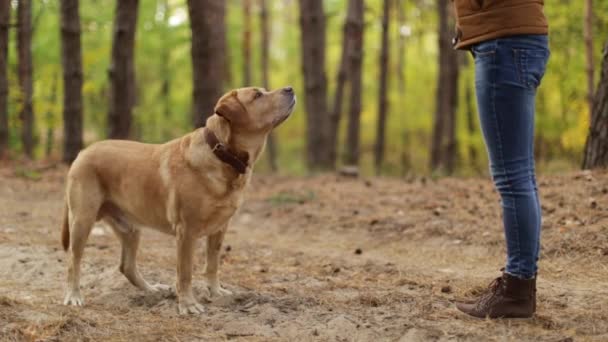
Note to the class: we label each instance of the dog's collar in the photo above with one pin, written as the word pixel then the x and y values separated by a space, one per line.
pixel 238 161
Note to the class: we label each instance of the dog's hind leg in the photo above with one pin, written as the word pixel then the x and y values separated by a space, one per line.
pixel 81 228
pixel 129 239
pixel 83 207
pixel 214 247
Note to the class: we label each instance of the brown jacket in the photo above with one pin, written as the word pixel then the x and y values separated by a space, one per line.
pixel 480 20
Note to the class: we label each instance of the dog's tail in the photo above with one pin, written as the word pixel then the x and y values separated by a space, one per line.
pixel 65 228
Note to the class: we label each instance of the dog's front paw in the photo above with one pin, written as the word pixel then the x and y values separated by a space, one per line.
pixel 214 289
pixel 190 307
pixel 73 298
pixel 218 291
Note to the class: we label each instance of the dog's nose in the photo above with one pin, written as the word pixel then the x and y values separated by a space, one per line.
pixel 288 90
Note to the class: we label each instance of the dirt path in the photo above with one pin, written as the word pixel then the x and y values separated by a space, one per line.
pixel 324 258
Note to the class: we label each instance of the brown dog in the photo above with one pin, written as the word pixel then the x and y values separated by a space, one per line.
pixel 189 187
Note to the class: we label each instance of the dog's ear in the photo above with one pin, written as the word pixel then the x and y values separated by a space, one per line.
pixel 230 108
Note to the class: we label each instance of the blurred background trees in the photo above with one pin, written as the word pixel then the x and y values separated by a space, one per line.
pixel 271 148
pixel 4 25
pixel 596 148
pixel 355 60
pixel 377 81
pixel 71 62
pixel 383 107
pixel 444 141
pixel 313 52
pixel 24 67
pixel 208 49
pixel 121 73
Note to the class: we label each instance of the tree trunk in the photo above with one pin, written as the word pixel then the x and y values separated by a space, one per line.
pixel 50 122
pixel 207 23
pixel 382 89
pixel 470 112
pixel 265 30
pixel 246 43
pixel 450 152
pixel 312 24
pixel 401 48
pixel 588 34
pixel 228 76
pixel 5 8
pixel 439 117
pixel 165 70
pixel 341 78
pixel 401 66
pixel 72 79
pixel 355 62
pixel 596 148
pixel 24 45
pixel 444 144
pixel 122 70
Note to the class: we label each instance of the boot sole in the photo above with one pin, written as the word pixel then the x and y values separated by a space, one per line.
pixel 495 317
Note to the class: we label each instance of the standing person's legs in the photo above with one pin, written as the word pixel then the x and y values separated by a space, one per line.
pixel 508 71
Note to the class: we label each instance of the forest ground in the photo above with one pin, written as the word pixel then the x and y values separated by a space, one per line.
pixel 321 258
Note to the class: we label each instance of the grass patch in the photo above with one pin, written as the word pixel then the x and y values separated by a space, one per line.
pixel 28 174
pixel 292 197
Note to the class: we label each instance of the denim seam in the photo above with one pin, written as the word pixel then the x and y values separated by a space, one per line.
pixel 517 60
pixel 522 58
pixel 521 66
pixel 500 150
pixel 524 63
pixel 524 80
pixel 480 54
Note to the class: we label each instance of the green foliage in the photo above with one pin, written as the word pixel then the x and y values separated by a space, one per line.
pixel 163 62
pixel 28 174
pixel 292 197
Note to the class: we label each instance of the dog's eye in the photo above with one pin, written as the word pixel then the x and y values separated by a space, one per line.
pixel 257 95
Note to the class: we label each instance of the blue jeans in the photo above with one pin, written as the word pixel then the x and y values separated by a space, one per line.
pixel 507 73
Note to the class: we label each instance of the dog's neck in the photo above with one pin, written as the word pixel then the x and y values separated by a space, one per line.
pixel 252 144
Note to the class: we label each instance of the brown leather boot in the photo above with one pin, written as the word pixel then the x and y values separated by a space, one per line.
pixel 506 297
pixel 534 293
